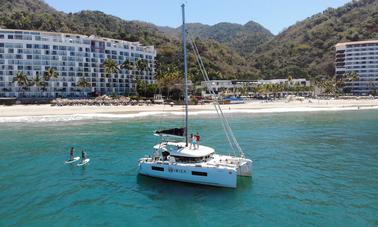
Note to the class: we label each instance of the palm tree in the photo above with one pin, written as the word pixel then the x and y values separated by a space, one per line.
pixel 352 76
pixel 83 83
pixel 372 88
pixel 110 67
pixel 262 90
pixel 244 89
pixel 22 80
pixel 135 82
pixel 340 82
pixel 50 74
pixel 38 82
pixel 141 65
pixel 127 65
pixel 276 88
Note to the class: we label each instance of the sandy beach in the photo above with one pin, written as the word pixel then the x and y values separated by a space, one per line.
pixel 253 106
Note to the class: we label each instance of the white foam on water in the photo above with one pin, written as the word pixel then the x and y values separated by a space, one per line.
pixel 80 117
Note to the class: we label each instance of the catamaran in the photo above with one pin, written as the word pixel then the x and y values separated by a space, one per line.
pixel 173 159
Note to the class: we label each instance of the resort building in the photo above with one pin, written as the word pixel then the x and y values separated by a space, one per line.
pixel 74 58
pixel 234 87
pixel 361 59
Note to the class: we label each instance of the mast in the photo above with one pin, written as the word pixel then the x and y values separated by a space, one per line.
pixel 185 73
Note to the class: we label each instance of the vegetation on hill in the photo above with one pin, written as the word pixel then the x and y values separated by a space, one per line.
pixel 222 61
pixel 306 49
pixel 248 51
pixel 242 38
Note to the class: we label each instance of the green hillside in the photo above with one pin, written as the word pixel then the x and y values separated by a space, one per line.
pixel 222 61
pixel 248 51
pixel 306 49
pixel 242 38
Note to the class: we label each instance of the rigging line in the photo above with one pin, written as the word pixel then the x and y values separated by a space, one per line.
pixel 217 107
pixel 229 130
pixel 212 92
pixel 206 77
pixel 220 110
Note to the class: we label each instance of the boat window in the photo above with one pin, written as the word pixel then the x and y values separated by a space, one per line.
pixel 196 173
pixel 191 159
pixel 157 168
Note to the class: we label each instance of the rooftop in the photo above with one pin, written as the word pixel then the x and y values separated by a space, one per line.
pixel 73 35
pixel 356 42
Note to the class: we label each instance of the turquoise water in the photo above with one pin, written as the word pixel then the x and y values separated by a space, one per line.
pixel 309 169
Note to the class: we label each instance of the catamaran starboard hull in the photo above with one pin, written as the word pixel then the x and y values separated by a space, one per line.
pixel 226 177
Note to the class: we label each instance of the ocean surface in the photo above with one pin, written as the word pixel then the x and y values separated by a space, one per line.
pixel 310 169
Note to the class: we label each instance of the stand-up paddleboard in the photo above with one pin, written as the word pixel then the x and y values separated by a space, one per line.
pixel 72 161
pixel 85 161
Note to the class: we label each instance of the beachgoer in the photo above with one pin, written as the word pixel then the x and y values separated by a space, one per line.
pixel 71 154
pixel 194 141
pixel 198 139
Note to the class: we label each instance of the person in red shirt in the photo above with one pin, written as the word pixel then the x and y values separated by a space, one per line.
pixel 198 138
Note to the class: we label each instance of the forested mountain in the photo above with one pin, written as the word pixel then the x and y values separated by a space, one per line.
pixel 242 38
pixel 221 60
pixel 306 49
pixel 249 51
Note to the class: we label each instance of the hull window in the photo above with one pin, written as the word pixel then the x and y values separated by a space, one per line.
pixel 157 168
pixel 196 173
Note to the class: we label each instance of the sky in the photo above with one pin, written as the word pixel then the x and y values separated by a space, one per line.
pixel 275 15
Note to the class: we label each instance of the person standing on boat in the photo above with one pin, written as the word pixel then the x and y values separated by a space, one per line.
pixel 71 154
pixel 198 139
pixel 194 141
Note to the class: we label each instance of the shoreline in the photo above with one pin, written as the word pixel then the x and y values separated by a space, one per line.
pixel 43 113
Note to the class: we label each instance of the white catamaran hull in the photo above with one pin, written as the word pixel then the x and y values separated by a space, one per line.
pixel 243 165
pixel 221 177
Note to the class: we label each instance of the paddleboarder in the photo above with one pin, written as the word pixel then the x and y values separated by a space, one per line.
pixel 71 154
pixel 83 156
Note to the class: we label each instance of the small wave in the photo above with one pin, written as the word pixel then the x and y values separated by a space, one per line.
pixel 81 117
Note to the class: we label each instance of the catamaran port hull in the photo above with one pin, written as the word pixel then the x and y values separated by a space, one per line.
pixel 225 177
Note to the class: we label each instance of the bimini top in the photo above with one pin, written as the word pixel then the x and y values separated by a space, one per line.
pixel 173 132
pixel 179 149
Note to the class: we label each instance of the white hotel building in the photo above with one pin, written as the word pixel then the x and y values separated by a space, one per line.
pixel 73 57
pixel 231 86
pixel 360 58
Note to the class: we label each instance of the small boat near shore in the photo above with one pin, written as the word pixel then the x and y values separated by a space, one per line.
pixel 173 159
pixel 233 100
